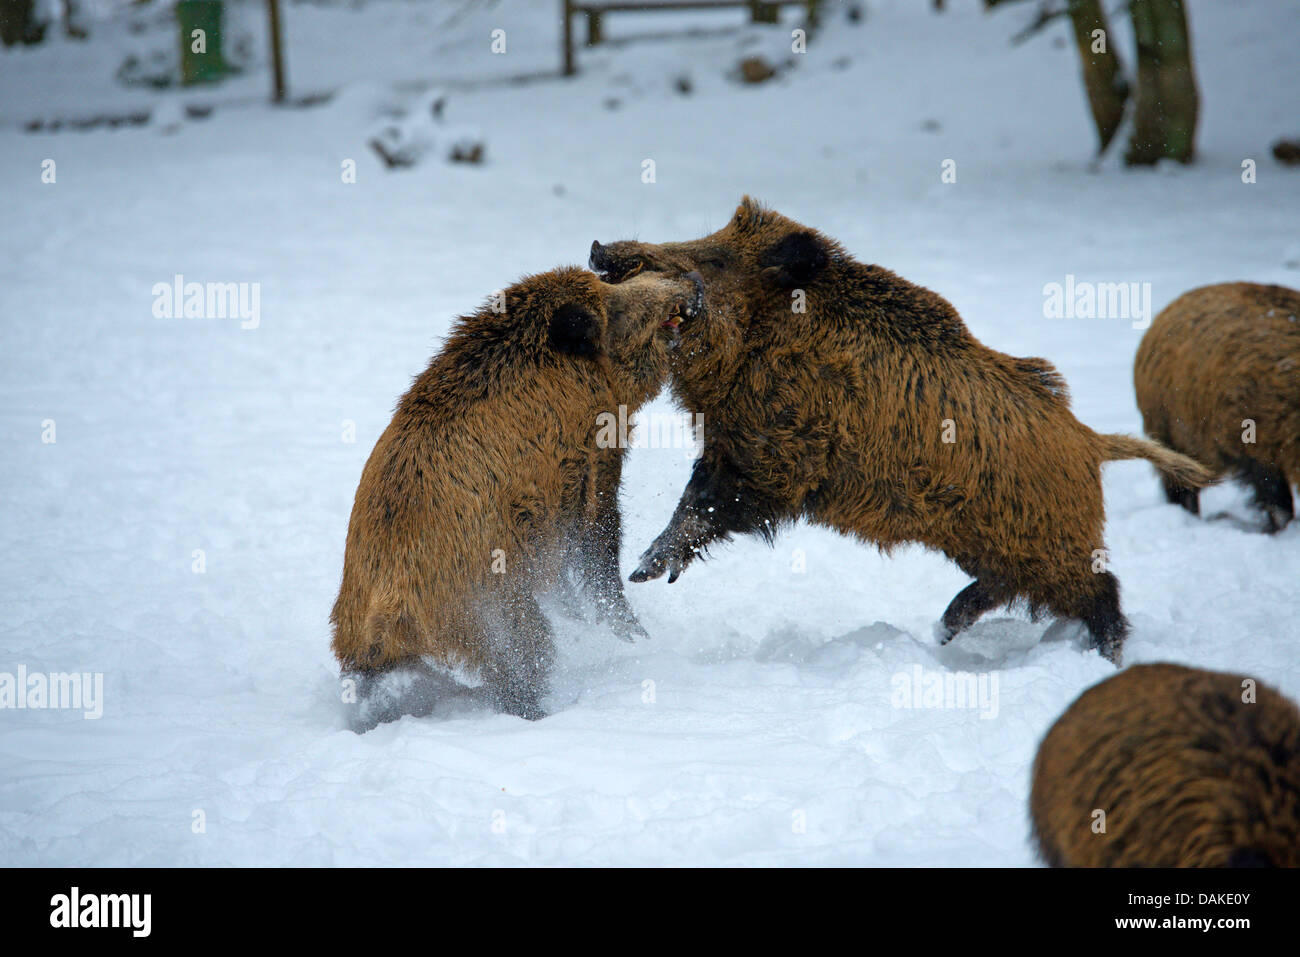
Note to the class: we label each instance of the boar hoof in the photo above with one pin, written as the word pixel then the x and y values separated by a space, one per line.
pixel 653 565
pixel 622 621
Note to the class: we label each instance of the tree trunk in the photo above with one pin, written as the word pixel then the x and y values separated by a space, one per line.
pixel 1103 73
pixel 1164 119
pixel 20 22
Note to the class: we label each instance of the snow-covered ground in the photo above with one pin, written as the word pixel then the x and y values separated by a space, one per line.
pixel 759 724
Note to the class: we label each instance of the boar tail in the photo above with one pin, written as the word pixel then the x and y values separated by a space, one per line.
pixel 1185 471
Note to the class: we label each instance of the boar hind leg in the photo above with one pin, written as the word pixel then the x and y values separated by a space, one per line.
pixel 1271 494
pixel 971 602
pixel 1175 494
pixel 1097 606
pixel 714 505
pixel 519 662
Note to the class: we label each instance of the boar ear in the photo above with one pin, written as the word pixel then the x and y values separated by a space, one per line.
pixel 749 214
pixel 796 259
pixel 575 330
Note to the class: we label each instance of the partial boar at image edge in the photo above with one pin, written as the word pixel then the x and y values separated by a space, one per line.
pixel 489 484
pixel 841 393
pixel 1218 377
pixel 1167 766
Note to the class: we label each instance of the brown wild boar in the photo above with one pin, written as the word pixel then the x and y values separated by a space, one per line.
pixel 1218 378
pixel 490 474
pixel 838 392
pixel 1188 768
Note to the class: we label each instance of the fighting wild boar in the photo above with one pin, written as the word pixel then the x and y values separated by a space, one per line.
pixel 490 477
pixel 841 393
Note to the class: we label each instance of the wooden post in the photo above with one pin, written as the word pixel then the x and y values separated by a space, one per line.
pixel 569 68
pixel 595 34
pixel 277 52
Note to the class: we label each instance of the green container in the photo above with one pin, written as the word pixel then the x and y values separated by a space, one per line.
pixel 205 16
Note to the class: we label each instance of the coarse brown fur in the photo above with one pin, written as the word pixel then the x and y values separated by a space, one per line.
pixel 875 412
pixel 490 473
pixel 1187 769
pixel 1214 361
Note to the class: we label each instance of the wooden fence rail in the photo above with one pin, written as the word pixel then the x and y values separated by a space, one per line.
pixel 760 11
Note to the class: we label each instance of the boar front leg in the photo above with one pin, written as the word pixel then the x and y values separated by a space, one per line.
pixel 599 548
pixel 714 505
